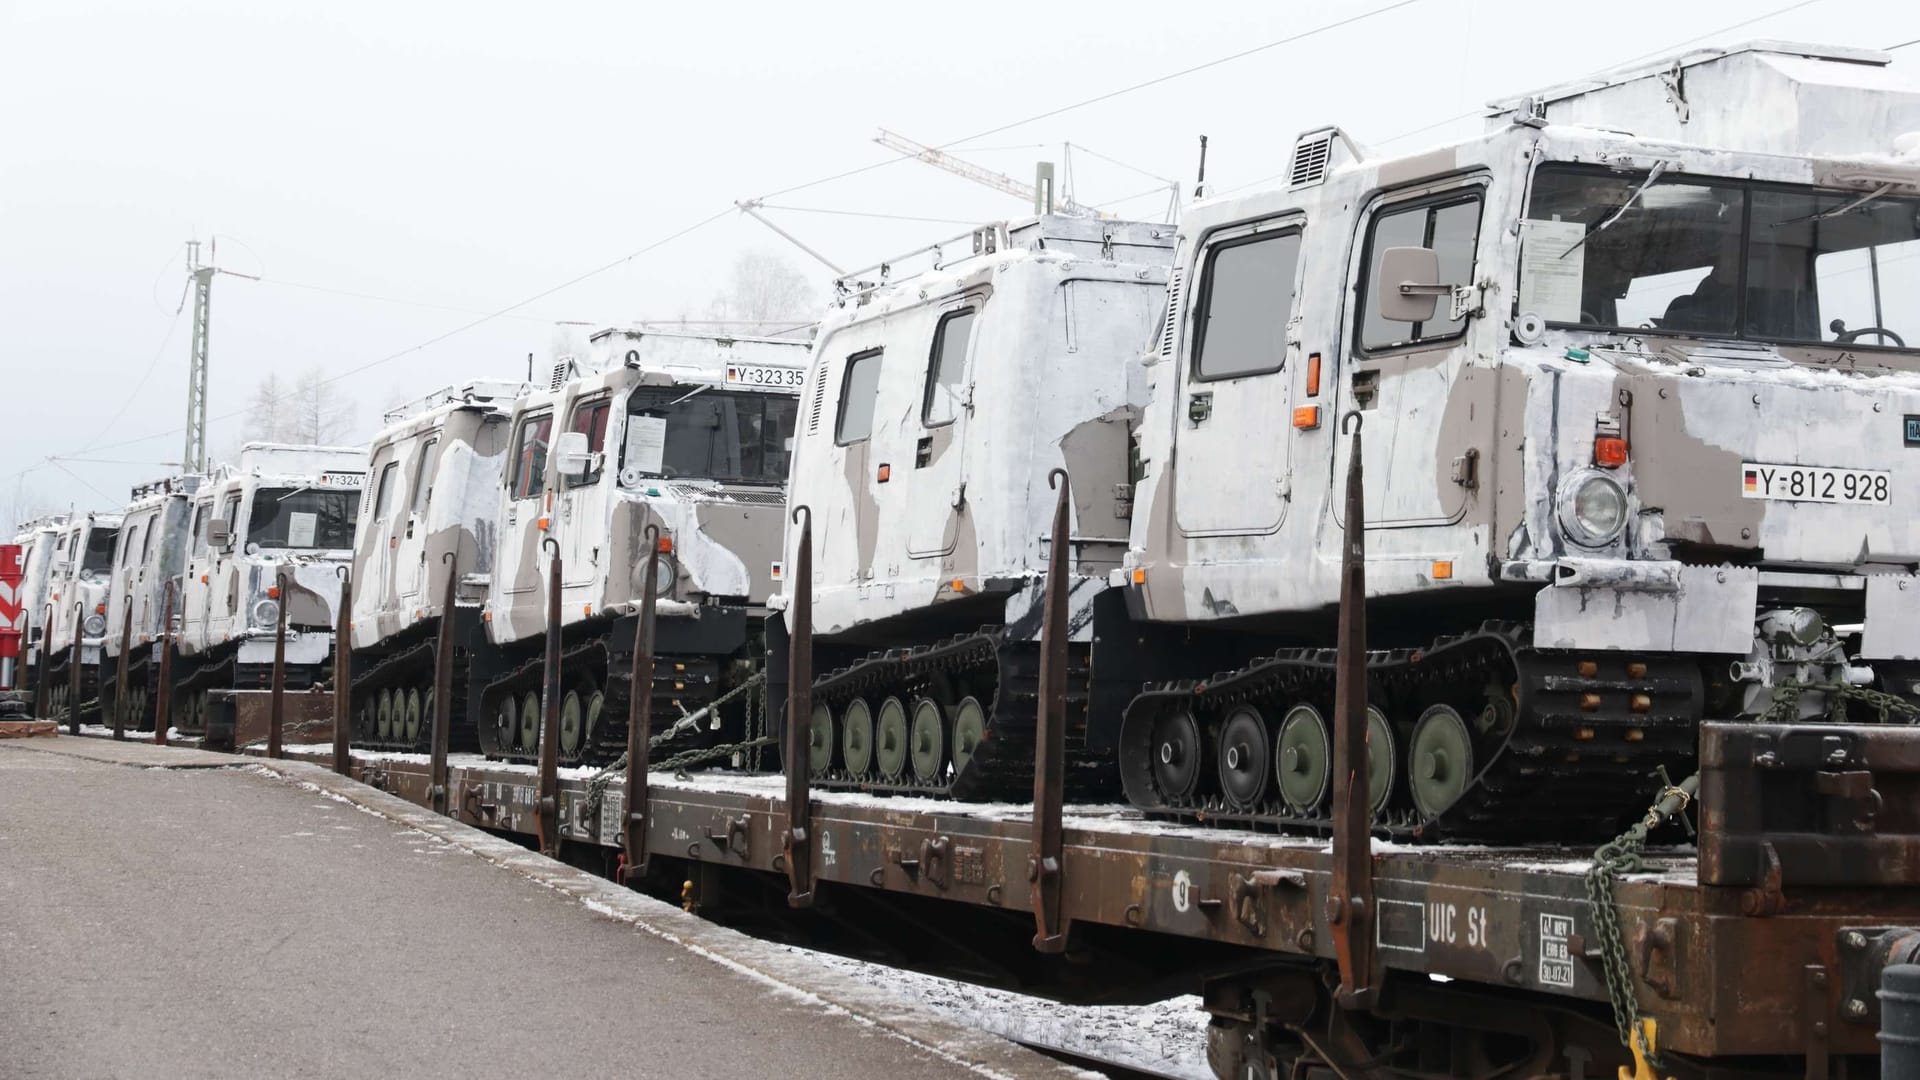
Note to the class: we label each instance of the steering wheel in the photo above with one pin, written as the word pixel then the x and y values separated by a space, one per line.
pixel 1879 331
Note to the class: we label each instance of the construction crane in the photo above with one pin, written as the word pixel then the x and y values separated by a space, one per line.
pixel 998 181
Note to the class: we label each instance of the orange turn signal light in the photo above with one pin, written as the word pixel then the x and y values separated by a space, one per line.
pixel 957 585
pixel 99 609
pixel 543 522
pixel 886 472
pixel 1609 451
pixel 273 592
pixel 1306 417
pixel 1139 575
pixel 665 545
pixel 1443 570
pixel 1313 375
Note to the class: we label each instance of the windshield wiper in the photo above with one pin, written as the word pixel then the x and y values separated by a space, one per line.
pixel 1652 175
pixel 1847 208
pixel 292 493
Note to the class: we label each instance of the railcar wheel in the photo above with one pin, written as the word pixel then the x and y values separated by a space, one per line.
pixel 856 737
pixel 1303 759
pixel 530 722
pixel 1383 760
pixel 410 720
pixel 890 738
pixel 820 740
pixel 1439 760
pixel 1245 759
pixel 969 727
pixel 1176 754
pixel 383 716
pixel 573 717
pixel 929 740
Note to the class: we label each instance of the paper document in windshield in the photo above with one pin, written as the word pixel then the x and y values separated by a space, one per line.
pixel 646 443
pixel 1550 283
pixel 300 529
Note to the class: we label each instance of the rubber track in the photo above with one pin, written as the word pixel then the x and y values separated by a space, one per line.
pixel 1579 760
pixel 692 681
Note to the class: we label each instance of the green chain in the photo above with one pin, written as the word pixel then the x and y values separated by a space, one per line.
pixel 1786 702
pixel 1623 856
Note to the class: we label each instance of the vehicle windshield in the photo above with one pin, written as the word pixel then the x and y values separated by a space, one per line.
pixel 99 556
pixel 285 517
pixel 1721 258
pixel 709 434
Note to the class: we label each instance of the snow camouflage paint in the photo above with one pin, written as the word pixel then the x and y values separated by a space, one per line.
pixel 77 586
pixel 944 495
pixel 151 550
pixel 1474 436
pixel 724 523
pixel 37 540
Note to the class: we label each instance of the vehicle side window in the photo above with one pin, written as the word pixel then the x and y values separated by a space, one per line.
pixel 200 519
pixel 423 473
pixel 146 538
pixel 530 456
pixel 1246 300
pixel 383 494
pixel 946 368
pixel 859 389
pixel 590 419
pixel 230 513
pixel 1450 225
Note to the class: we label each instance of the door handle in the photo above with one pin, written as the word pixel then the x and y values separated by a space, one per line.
pixel 409 528
pixel 1200 406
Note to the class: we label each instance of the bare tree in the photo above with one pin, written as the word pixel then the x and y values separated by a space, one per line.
pixel 308 411
pixel 764 288
pixel 23 505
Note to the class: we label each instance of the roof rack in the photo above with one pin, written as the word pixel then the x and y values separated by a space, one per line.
pixel 476 392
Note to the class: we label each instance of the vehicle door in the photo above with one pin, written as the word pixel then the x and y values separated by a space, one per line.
pixel 192 602
pixel 519 575
pixel 1400 375
pixel 410 526
pixel 582 501
pixel 1232 444
pixel 935 482
pixel 386 558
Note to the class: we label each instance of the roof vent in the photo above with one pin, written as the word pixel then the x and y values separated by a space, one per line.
pixel 1311 155
pixel 562 371
pixel 1172 328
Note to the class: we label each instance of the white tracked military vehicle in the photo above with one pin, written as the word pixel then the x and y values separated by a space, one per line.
pixel 37 540
pixel 1641 412
pixel 281 511
pixel 935 408
pixel 684 432
pixel 76 608
pixel 435 473
pixel 149 555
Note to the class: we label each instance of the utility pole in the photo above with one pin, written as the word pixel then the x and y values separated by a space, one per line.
pixel 194 459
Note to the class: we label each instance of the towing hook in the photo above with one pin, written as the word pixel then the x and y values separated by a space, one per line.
pixel 550 544
pixel 1354 416
pixel 1055 477
pixel 803 508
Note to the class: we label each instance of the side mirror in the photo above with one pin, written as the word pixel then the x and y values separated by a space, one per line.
pixel 571 456
pixel 1409 285
pixel 219 533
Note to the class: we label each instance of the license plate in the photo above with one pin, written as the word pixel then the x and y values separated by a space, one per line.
pixel 343 479
pixel 1813 483
pixel 767 375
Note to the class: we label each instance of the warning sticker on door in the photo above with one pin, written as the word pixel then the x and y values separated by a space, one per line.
pixel 1556 961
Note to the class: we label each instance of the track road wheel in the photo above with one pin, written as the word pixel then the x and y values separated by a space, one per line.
pixel 1383 760
pixel 890 738
pixel 1303 759
pixel 929 747
pixel 530 722
pixel 969 727
pixel 820 740
pixel 410 720
pixel 506 721
pixel 1176 750
pixel 1439 760
pixel 1244 758
pixel 573 720
pixel 856 737
pixel 383 716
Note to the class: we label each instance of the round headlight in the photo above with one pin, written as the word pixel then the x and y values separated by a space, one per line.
pixel 1593 508
pixel 266 613
pixel 664 578
pixel 94 625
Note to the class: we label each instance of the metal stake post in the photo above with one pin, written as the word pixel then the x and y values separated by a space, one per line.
pixel 163 697
pixel 276 717
pixel 443 689
pixel 1350 893
pixel 633 833
pixel 120 694
pixel 794 756
pixel 343 678
pixel 1050 737
pixel 40 689
pixel 549 790
pixel 73 669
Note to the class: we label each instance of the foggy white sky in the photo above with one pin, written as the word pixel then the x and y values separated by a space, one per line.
pixel 470 154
